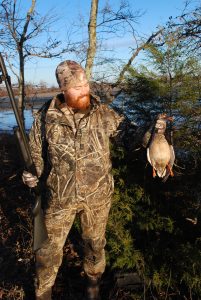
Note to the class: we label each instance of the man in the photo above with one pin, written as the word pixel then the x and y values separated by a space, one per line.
pixel 73 134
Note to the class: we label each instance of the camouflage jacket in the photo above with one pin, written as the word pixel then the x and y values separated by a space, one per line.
pixel 77 148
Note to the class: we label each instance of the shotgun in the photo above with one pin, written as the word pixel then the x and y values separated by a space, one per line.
pixel 40 232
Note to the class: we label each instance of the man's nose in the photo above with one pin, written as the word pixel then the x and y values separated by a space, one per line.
pixel 83 90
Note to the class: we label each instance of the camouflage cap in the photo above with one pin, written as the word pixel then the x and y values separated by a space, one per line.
pixel 69 74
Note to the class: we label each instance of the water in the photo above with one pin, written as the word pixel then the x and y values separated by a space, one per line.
pixel 8 121
pixel 7 117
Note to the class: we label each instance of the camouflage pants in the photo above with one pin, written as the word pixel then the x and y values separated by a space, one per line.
pixel 93 223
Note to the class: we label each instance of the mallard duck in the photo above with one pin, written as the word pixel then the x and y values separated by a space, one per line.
pixel 160 153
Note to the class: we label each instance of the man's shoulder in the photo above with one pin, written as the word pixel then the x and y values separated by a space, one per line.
pixel 110 115
pixel 105 111
pixel 106 108
pixel 51 102
pixel 44 107
pixel 40 114
pixel 98 105
pixel 111 111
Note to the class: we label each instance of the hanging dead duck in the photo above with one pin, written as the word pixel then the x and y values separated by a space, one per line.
pixel 160 153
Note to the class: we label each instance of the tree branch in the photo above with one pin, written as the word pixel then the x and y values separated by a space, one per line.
pixel 135 54
pixel 28 18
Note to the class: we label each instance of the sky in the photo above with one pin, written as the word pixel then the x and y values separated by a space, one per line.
pixel 154 13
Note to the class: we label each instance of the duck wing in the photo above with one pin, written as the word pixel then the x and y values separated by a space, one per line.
pixel 172 156
pixel 171 163
pixel 148 156
pixel 147 137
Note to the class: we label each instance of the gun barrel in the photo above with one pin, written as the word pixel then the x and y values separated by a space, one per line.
pixel 6 78
pixel 25 155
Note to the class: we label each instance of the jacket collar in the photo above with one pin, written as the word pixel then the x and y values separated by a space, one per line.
pixel 58 109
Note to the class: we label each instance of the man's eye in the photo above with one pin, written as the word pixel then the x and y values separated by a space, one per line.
pixel 81 86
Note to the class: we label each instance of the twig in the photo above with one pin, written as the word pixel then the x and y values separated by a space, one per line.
pixel 166 294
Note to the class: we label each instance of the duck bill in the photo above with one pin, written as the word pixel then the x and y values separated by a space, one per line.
pixel 170 119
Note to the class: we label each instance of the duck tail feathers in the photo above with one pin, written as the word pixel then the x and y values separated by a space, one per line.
pixel 161 173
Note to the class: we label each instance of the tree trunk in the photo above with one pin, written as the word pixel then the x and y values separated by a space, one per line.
pixel 21 87
pixel 92 38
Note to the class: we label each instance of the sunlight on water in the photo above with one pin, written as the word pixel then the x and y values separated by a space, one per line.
pixel 7 117
pixel 8 121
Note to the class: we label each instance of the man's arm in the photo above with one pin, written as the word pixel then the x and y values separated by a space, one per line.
pixel 36 144
pixel 120 129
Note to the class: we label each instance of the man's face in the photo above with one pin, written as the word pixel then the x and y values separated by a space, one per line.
pixel 78 96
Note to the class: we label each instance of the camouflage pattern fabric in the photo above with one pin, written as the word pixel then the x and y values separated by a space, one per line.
pixel 70 74
pixel 79 181
pixel 78 151
pixel 49 258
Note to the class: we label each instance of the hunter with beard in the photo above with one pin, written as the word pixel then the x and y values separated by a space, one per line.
pixel 72 135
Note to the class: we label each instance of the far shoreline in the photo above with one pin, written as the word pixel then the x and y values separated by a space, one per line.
pixel 32 101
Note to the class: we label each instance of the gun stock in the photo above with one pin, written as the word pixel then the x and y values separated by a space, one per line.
pixel 40 231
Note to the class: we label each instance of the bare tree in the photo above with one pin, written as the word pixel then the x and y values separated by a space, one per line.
pixel 104 24
pixel 112 23
pixel 186 28
pixel 91 51
pixel 22 30
pixel 135 53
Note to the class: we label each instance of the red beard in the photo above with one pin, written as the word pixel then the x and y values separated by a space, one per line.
pixel 80 103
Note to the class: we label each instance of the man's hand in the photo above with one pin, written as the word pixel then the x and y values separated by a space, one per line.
pixel 29 179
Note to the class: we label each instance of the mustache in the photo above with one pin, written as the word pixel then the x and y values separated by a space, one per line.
pixel 82 102
pixel 86 96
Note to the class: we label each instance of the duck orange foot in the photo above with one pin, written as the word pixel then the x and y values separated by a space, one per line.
pixel 154 173
pixel 170 170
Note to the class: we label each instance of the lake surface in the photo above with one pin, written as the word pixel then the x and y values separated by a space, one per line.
pixel 8 121
pixel 7 117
